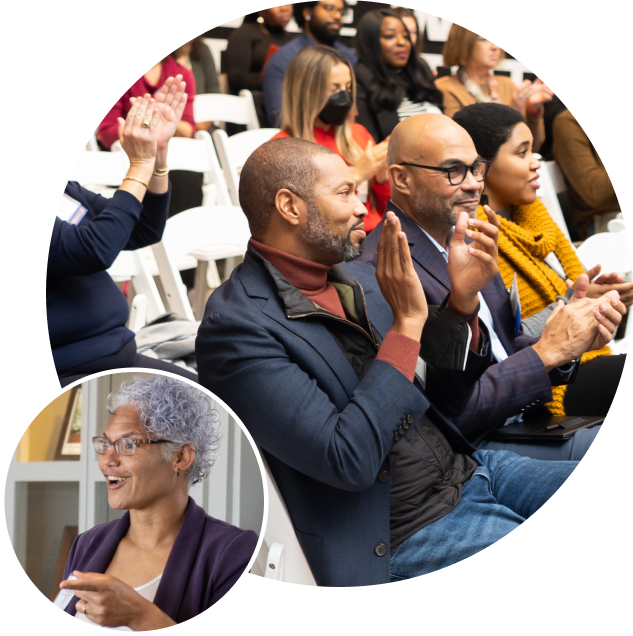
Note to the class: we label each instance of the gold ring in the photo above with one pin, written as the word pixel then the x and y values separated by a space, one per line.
pixel 145 123
pixel 83 609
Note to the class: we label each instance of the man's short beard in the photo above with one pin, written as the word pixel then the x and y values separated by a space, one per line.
pixel 324 34
pixel 437 209
pixel 317 234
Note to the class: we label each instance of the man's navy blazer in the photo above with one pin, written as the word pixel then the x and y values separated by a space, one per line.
pixel 505 388
pixel 325 434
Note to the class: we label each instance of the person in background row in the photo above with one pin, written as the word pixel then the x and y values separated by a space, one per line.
pixel 165 561
pixel 86 311
pixel 591 195
pixel 321 23
pixel 532 246
pixel 318 99
pixel 411 22
pixel 249 47
pixel 475 81
pixel 394 82
pixel 151 82
pixel 197 57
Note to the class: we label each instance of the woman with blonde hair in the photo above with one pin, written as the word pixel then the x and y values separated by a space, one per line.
pixel 475 81
pixel 319 105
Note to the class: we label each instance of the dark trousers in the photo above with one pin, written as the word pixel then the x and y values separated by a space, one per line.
pixel 125 358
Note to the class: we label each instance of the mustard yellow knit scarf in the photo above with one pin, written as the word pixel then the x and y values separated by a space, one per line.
pixel 524 243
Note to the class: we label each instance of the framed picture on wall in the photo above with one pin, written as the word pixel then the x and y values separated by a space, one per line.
pixel 69 443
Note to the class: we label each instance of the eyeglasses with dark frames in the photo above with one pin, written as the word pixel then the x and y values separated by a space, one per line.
pixel 123 445
pixel 457 172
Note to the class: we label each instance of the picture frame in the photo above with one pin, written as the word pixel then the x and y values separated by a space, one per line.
pixel 69 442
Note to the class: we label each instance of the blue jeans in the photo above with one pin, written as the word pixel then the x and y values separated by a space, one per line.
pixel 503 492
pixel 572 449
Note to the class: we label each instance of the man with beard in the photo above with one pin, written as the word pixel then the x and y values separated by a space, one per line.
pixel 321 23
pixel 435 175
pixel 320 361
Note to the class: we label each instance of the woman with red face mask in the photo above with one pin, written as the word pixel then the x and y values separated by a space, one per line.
pixel 318 105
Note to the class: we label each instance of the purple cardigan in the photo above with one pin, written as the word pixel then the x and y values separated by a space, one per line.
pixel 207 559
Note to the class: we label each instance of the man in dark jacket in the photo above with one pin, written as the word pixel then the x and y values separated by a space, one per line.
pixel 320 361
pixel 428 201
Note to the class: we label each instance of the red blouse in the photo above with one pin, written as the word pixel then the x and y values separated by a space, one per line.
pixel 381 191
pixel 108 131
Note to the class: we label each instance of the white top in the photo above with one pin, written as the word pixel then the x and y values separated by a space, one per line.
pixel 408 108
pixel 484 311
pixel 147 590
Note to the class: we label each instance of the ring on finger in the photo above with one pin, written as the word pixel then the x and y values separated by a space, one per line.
pixel 145 123
pixel 83 609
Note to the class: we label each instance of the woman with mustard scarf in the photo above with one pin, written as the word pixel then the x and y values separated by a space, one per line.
pixel 532 246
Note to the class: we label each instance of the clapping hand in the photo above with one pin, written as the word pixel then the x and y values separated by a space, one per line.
pixel 595 286
pixel 472 266
pixel 109 602
pixel 170 100
pixel 137 132
pixel 373 162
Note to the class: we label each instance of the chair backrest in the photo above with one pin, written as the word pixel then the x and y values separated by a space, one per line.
pixel 100 168
pixel 610 249
pixel 196 154
pixel 237 109
pixel 548 195
pixel 556 174
pixel 234 151
pixel 616 225
pixel 205 233
pixel 280 543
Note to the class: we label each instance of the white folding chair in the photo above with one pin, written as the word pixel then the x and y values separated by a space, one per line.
pixel 100 171
pixel 201 235
pixel 611 250
pixel 197 155
pixel 616 225
pixel 235 150
pixel 218 107
pixel 552 183
pixel 280 557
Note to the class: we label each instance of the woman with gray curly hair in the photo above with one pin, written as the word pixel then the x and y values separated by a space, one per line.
pixel 165 560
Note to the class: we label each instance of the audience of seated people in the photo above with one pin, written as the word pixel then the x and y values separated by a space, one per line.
pixel 475 81
pixel 87 313
pixel 590 192
pixel 318 102
pixel 534 249
pixel 321 24
pixel 393 81
pixel 428 198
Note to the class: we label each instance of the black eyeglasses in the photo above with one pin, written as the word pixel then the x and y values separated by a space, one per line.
pixel 457 173
pixel 124 445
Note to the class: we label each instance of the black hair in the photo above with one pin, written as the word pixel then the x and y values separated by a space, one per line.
pixel 298 7
pixel 388 88
pixel 490 126
pixel 277 164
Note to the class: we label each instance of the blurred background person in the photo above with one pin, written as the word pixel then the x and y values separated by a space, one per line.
pixel 165 561
pixel 393 81
pixel 590 192
pixel 197 57
pixel 87 313
pixel 249 48
pixel 532 246
pixel 475 81
pixel 411 22
pixel 318 100
pixel 321 23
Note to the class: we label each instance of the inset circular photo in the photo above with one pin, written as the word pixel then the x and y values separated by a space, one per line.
pixel 135 500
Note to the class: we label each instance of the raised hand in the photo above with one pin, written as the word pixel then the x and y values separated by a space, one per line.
pixel 398 281
pixel 472 266
pixel 171 100
pixel 137 132
pixel 373 162
pixel 600 285
pixel 109 602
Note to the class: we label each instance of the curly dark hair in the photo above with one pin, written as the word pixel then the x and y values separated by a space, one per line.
pixel 388 89
pixel 489 125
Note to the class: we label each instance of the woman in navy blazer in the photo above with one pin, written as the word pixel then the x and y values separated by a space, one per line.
pixel 165 560
pixel 86 311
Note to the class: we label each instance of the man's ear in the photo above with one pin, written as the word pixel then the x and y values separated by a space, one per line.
pixel 399 178
pixel 290 207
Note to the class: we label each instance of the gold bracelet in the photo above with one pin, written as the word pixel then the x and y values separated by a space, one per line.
pixel 137 180
pixel 161 172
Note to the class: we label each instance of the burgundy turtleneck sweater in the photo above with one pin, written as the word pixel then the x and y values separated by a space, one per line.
pixel 311 280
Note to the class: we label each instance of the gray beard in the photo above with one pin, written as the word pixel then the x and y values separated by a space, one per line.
pixel 317 234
